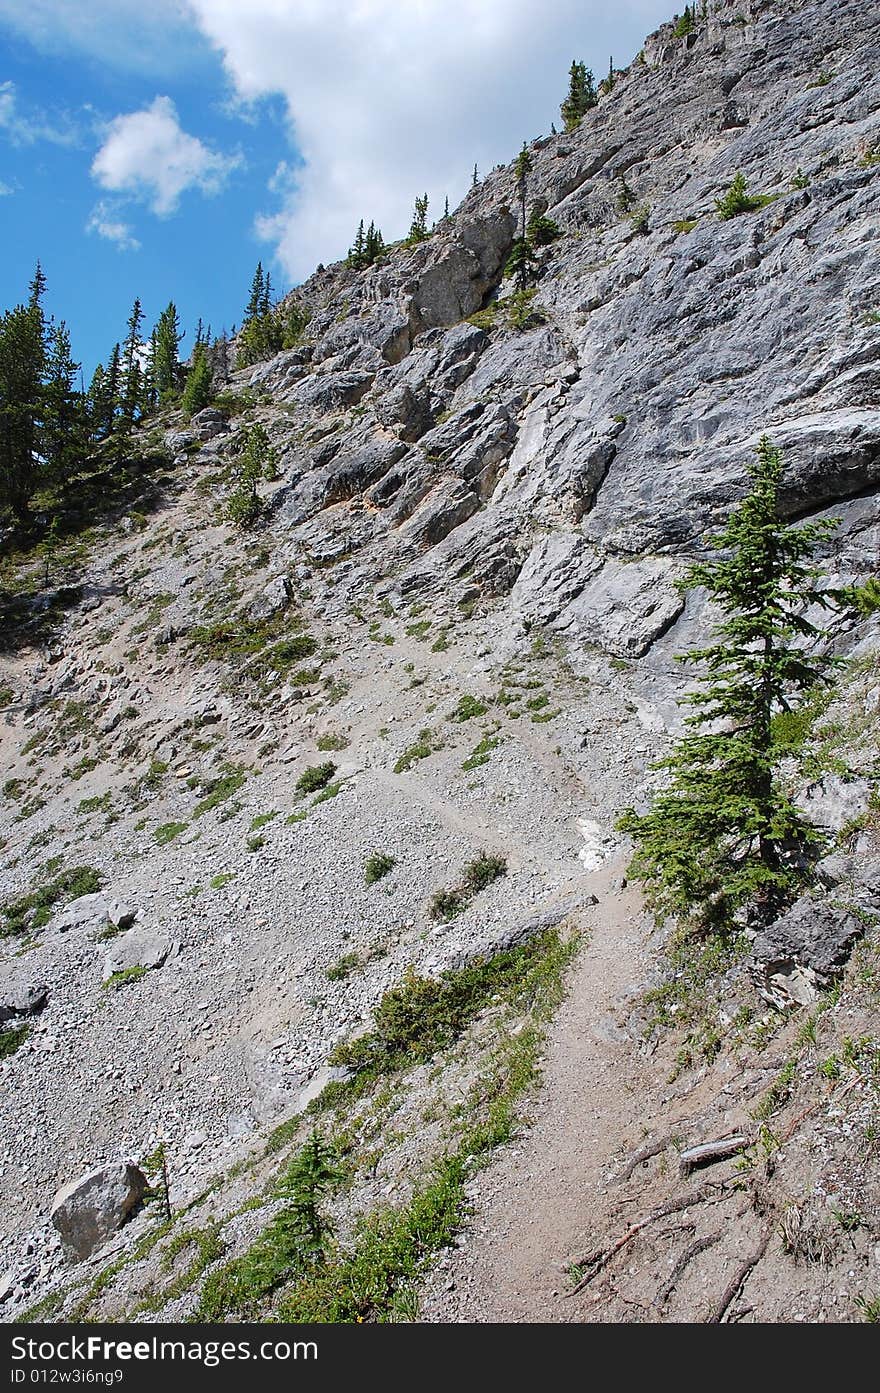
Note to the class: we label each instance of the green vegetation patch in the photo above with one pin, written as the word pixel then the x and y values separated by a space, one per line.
pixel 316 777
pixel 332 740
pixel 167 831
pixel 420 749
pixel 372 1279
pixel 378 866
pixel 12 1040
pixel 34 910
pixel 480 753
pixel 343 967
pixel 422 1015
pixel 267 646
pixel 468 707
pixel 221 789
pixel 125 978
pixel 477 875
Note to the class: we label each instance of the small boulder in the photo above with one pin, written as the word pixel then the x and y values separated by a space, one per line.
pixel 94 914
pixel 273 599
pixel 90 1210
pixel 137 948
pixel 18 999
pixel 209 422
pixel 804 951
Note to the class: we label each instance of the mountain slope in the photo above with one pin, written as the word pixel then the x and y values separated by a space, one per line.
pixel 460 595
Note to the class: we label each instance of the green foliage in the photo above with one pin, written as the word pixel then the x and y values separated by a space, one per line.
pixel 125 978
pixel 378 866
pixel 12 1039
pixel 290 1245
pixel 724 833
pixel 343 967
pixel 168 832
pixel 419 227
pixel 391 1248
pixel 541 230
pixel 316 777
pixel 865 599
pixel 164 364
pixel 626 199
pixel 685 24
pixel 268 328
pixel 868 1308
pixel 640 220
pixel 43 421
pixel 521 310
pixel 220 790
pixel 476 876
pixel 422 1015
pixel 333 740
pixel 800 180
pixel 581 95
pixel 480 753
pixel 199 387
pixel 32 911
pixel 468 707
pixel 256 460
pixel 737 199
pixel 446 904
pixel 421 749
pixel 482 872
pixel 368 247
pixel 685 225
pixel 521 261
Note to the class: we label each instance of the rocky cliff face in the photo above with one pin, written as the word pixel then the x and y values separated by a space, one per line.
pixel 450 636
pixel 616 429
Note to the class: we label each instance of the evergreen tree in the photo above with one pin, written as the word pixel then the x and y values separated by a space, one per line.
pixel 99 404
pixel 255 299
pixel 114 386
pixel 541 230
pixel 166 340
pixel 419 227
pixel 521 259
pixel 130 386
pixel 374 245
pixel 687 23
pixel 626 199
pixel 607 83
pixel 63 444
pixel 581 95
pixel 244 504
pixel 446 207
pixel 356 252
pixel 725 833
pixel 198 389
pixel 475 178
pixel 22 368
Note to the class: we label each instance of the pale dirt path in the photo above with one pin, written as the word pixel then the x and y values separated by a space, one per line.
pixel 537 1205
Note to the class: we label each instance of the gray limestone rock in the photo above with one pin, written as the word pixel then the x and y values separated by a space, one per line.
pixel 139 947
pixel 93 914
pixel 93 1208
pixel 624 607
pixel 804 950
pixel 19 999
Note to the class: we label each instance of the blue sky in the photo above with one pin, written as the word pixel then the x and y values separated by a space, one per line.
pixel 159 150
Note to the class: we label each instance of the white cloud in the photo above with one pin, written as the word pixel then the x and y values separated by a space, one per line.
pixel 105 221
pixel 386 99
pixel 5 189
pixel 148 155
pixel 28 127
